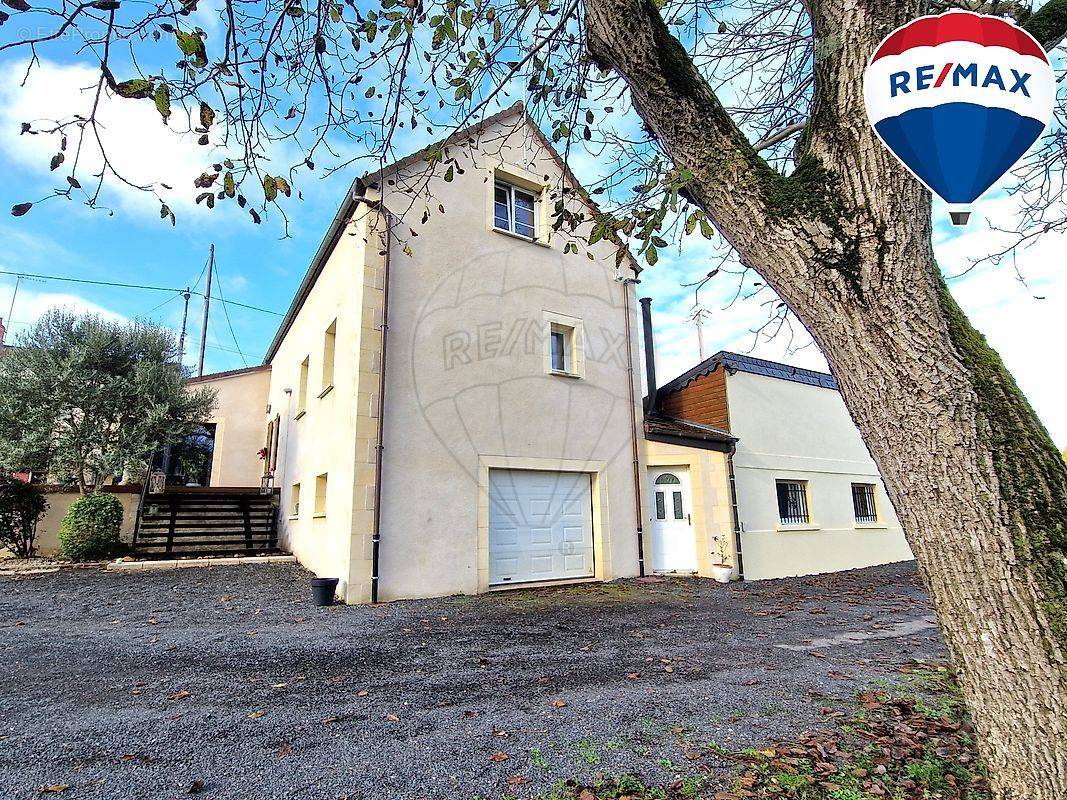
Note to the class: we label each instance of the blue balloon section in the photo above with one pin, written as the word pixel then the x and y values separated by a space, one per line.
pixel 959 149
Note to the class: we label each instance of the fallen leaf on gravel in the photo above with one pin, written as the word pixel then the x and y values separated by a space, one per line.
pixel 518 780
pixel 256 714
pixel 691 755
pixel 817 654
pixel 586 795
pixel 557 703
pixel 498 757
pixel 284 749
pixel 668 668
pixel 181 695
pixel 54 788
pixel 196 787
pixel 329 720
pixel 633 676
pixel 362 693
pixel 392 718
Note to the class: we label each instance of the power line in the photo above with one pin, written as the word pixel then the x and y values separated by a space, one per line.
pixel 226 313
pixel 144 287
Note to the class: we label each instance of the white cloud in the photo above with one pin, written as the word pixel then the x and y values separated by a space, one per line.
pixel 31 303
pixel 139 145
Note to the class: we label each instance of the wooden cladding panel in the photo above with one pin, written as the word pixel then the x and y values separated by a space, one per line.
pixel 703 400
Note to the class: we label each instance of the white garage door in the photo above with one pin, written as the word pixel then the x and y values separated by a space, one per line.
pixel 540 526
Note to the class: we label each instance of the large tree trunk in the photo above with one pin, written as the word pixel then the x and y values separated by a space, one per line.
pixel 846 242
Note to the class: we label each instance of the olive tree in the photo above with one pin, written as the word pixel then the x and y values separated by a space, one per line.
pixel 83 399
pixel 739 119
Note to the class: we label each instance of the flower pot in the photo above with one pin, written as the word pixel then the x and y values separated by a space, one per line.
pixel 722 572
pixel 324 590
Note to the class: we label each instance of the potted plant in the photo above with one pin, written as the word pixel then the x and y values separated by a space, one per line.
pixel 722 570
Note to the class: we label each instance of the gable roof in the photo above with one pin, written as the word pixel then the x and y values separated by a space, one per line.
pixel 735 362
pixel 375 177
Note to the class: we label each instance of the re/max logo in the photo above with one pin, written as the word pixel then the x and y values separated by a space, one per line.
pixel 957 74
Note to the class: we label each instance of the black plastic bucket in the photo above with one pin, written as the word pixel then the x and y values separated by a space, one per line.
pixel 324 589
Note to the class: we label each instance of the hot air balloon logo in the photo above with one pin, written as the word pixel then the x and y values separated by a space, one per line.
pixel 959 98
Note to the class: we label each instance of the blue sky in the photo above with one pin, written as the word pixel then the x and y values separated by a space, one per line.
pixel 259 266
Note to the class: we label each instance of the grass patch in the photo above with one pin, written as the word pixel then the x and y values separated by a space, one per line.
pixel 889 745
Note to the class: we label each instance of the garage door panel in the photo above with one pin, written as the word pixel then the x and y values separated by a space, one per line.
pixel 540 526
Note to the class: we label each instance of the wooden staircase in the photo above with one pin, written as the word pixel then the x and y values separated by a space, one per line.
pixel 179 523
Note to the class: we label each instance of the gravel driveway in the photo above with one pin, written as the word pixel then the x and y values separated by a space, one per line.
pixel 144 685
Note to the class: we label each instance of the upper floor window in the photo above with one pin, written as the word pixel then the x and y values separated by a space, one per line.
pixel 302 387
pixel 863 502
pixel 329 348
pixel 564 352
pixel 562 355
pixel 793 502
pixel 514 210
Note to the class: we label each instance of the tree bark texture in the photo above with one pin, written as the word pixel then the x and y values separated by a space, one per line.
pixel 846 242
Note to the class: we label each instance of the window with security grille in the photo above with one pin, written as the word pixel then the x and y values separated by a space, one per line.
pixel 793 502
pixel 863 502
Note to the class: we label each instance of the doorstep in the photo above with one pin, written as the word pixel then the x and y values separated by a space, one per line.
pixel 184 563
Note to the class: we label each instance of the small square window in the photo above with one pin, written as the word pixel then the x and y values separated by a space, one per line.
pixel 561 339
pixel 514 210
pixel 294 501
pixel 793 502
pixel 863 503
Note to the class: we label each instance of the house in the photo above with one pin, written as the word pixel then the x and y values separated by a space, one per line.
pixel 452 402
pixel 454 411
pixel 808 496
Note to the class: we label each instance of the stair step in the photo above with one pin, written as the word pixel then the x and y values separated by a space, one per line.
pixel 206 545
pixel 207 522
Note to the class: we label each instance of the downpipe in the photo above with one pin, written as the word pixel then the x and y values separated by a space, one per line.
pixel 379 447
pixel 633 428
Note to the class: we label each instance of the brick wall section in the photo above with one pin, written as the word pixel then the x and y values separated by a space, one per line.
pixel 703 400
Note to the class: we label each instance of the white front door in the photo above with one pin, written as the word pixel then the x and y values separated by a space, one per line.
pixel 540 526
pixel 673 541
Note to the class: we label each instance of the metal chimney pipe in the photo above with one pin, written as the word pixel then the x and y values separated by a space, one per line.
pixel 651 399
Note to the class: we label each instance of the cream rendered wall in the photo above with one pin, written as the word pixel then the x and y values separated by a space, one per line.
pixel 323 440
pixel 710 481
pixel 793 430
pixel 466 382
pixel 60 501
pixel 240 425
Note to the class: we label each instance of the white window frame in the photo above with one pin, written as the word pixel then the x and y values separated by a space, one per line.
pixel 574 356
pixel 535 200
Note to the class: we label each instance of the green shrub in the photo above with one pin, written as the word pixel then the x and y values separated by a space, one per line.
pixel 90 530
pixel 21 505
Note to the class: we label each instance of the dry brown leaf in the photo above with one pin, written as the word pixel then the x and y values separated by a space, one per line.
pixel 54 788
pixel 181 695
pixel 499 756
pixel 557 703
pixel 517 780
pixel 256 714
pixel 392 718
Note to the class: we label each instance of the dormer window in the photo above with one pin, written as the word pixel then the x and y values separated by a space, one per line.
pixel 514 210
